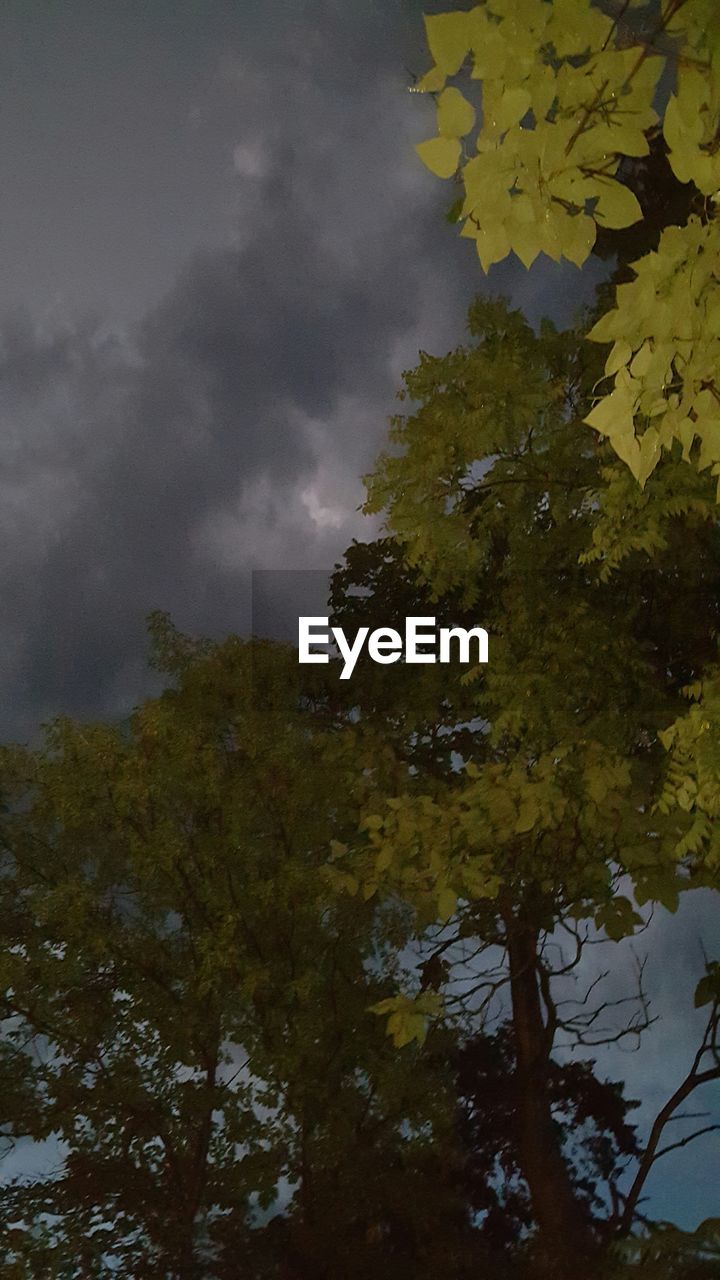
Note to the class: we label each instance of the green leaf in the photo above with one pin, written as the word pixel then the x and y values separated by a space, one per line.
pixel 704 992
pixel 526 244
pixel 384 1006
pixel 447 904
pixel 604 329
pixel 641 362
pixel 618 357
pixel 432 82
pixel 708 988
pixel 625 139
pixel 617 205
pixel 448 37
pixel 455 115
pixel 649 455
pixel 528 816
pixel 613 415
pixel 673 128
pixel 493 243
pixel 579 238
pixel 505 109
pixel 440 155
pixel 384 859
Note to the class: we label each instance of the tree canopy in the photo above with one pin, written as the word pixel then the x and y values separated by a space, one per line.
pixel 294 969
pixel 554 813
pixel 187 1005
pixel 569 95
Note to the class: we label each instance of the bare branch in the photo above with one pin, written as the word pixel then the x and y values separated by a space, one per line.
pixel 683 1142
pixel 695 1077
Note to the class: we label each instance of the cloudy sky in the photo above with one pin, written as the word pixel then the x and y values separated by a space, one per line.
pixel 218 252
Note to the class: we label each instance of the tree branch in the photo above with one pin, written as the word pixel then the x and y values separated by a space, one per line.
pixel 693 1080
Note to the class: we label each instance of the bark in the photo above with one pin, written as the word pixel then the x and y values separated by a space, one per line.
pixel 564 1237
pixel 188 1266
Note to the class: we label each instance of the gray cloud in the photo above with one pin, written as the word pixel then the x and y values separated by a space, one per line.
pixel 228 429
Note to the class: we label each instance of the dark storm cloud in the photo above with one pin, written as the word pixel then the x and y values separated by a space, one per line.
pixel 229 431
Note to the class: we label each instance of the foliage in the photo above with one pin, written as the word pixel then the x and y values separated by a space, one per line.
pixel 692 783
pixel 554 814
pixel 182 994
pixel 665 354
pixel 663 1252
pixel 491 498
pixel 591 1119
pixel 569 95
pixel 185 1001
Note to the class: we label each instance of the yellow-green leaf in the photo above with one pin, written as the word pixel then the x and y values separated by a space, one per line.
pixel 613 415
pixel 617 205
pixel 503 110
pixel 618 357
pixel 440 155
pixel 605 329
pixel 447 903
pixel 578 239
pixel 526 243
pixel 493 242
pixel 649 454
pixel 455 115
pixel 432 82
pixel 448 37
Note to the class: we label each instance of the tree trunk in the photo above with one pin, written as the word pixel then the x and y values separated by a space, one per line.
pixel 188 1266
pixel 564 1236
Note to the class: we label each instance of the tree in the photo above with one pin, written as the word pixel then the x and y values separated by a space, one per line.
pixel 591 1117
pixel 572 124
pixel 550 811
pixel 183 995
pixel 185 1000
pixel 186 1005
